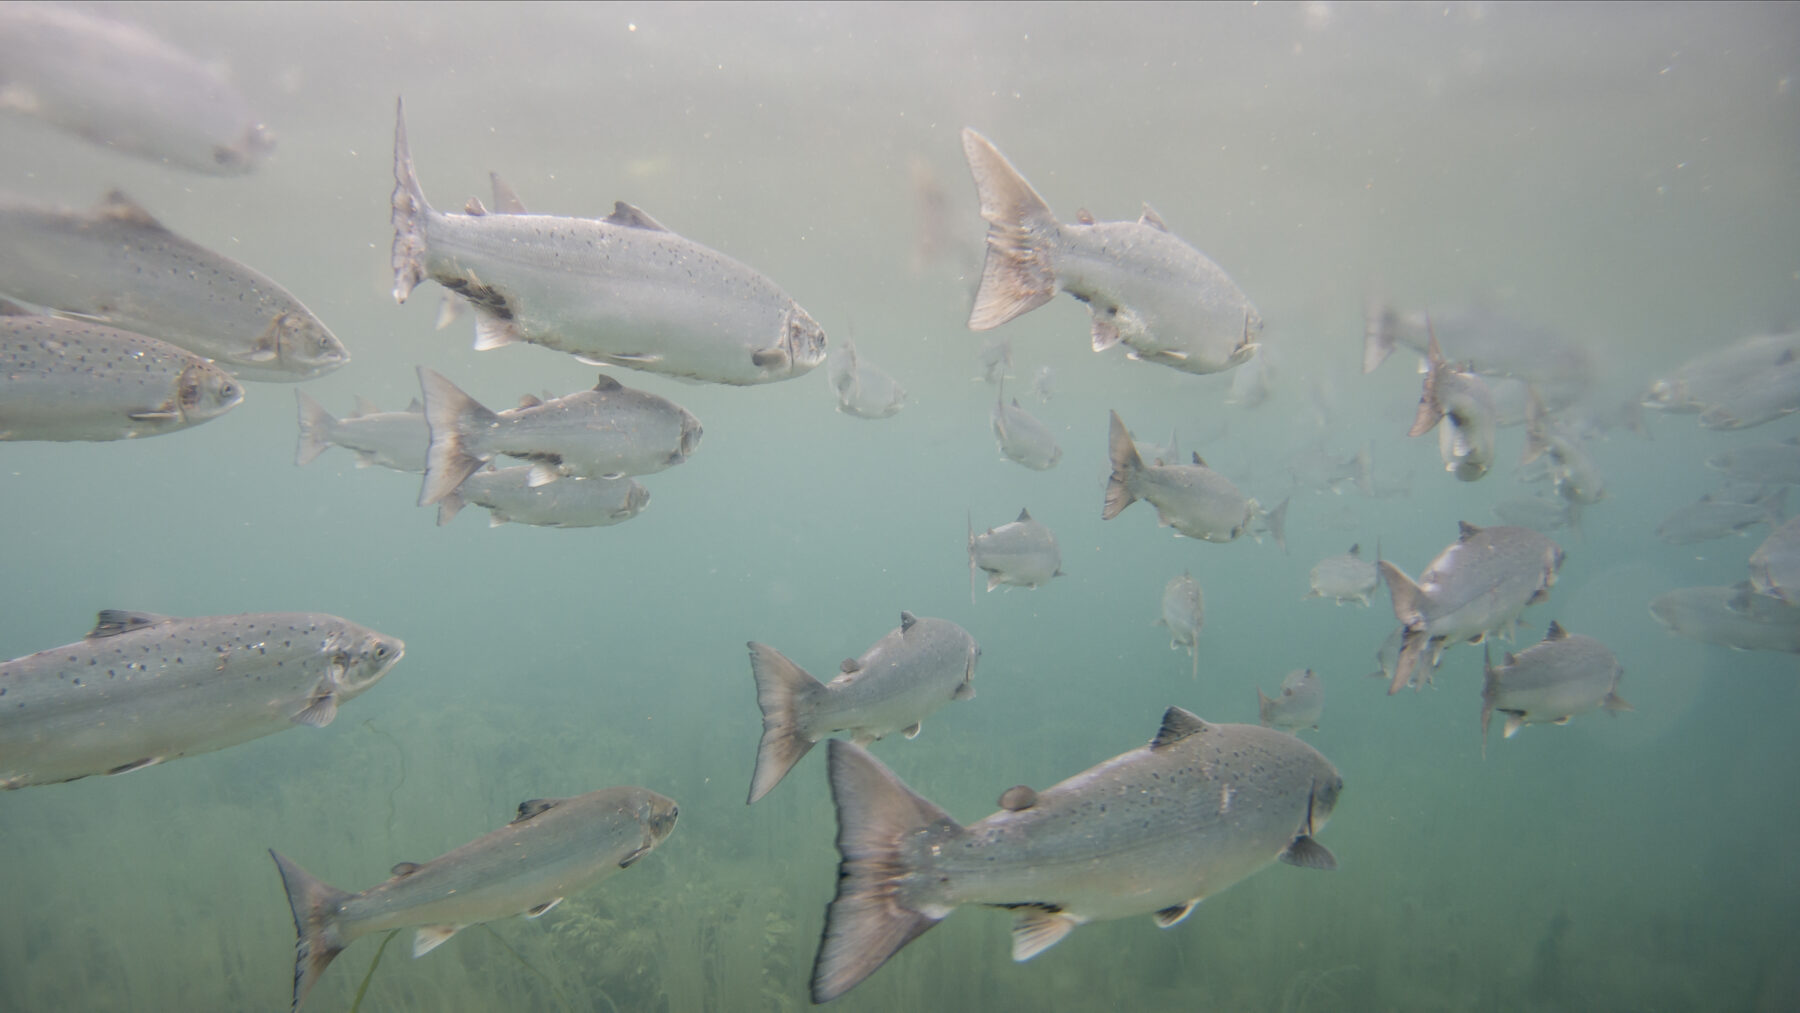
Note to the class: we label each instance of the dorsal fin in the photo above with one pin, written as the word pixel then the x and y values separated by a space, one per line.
pixel 405 869
pixel 117 207
pixel 1199 460
pixel 1152 219
pixel 361 406
pixel 530 401
pixel 1024 515
pixel 633 218
pixel 1084 216
pixel 906 620
pixel 1356 550
pixel 1177 724
pixel 1466 531
pixel 607 383
pixel 112 622
pixel 506 202
pixel 1556 631
pixel 535 807
pixel 473 208
pixel 849 666
pixel 1018 797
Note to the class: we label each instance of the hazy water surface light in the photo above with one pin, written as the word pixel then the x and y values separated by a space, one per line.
pixel 1625 177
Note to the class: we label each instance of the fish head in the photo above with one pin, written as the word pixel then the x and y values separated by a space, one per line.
pixel 1325 790
pixel 207 391
pixel 657 815
pixel 1247 344
pixel 1666 395
pixel 362 660
pixel 636 499
pixel 803 341
pixel 300 344
pixel 246 153
pixel 690 437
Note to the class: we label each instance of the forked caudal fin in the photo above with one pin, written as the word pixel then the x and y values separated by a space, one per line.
pixel 1017 276
pixel 784 691
pixel 867 922
pixel 409 214
pixel 447 410
pixel 316 425
pixel 1125 464
pixel 313 901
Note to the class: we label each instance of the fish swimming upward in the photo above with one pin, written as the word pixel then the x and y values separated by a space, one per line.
pixel 1144 287
pixel 140 689
pixel 622 290
pixel 1153 831
pixel 556 847
pixel 898 682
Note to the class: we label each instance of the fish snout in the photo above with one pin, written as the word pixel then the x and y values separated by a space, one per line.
pixel 376 656
pixel 691 432
pixel 207 391
pixel 304 343
pixel 1324 800
pixel 805 341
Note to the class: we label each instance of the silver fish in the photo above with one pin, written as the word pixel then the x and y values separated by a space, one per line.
pixel 1022 436
pixel 1490 344
pixel 117 85
pixel 116 265
pixel 621 290
pixel 69 380
pixel 1153 831
pixel 1191 498
pixel 1712 378
pixel 1551 681
pixel 606 432
pixel 509 495
pixel 1475 587
pixel 1544 513
pixel 1763 396
pixel 1573 472
pixel 995 358
pixel 1184 613
pixel 1297 706
pixel 394 440
pixel 1144 287
pixel 140 689
pixel 1775 565
pixel 902 679
pixel 863 390
pixel 1344 578
pixel 1735 617
pixel 555 847
pixel 1717 515
pixel 1022 553
pixel 1768 463
pixel 1461 408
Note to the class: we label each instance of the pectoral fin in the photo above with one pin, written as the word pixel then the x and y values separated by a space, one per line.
pixel 912 731
pixel 1037 928
pixel 1174 914
pixel 1309 854
pixel 430 937
pixel 538 911
pixel 320 712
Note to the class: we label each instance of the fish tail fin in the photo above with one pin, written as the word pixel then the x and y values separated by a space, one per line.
pixel 409 213
pixel 1490 690
pixel 448 412
pixel 1017 276
pixel 1431 410
pixel 315 925
pixel 868 921
pixel 1265 707
pixel 1409 610
pixel 449 507
pixel 783 689
pixel 316 425
pixel 1276 521
pixel 970 520
pixel 1125 464
pixel 1379 322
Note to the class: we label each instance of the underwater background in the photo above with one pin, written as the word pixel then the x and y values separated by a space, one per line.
pixel 1628 175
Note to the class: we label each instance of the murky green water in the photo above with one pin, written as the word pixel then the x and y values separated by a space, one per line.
pixel 1627 174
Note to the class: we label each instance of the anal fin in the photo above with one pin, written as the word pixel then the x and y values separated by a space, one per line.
pixel 430 937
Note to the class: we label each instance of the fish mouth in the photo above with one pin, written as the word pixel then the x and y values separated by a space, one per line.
pixel 805 341
pixel 691 432
pixel 376 658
